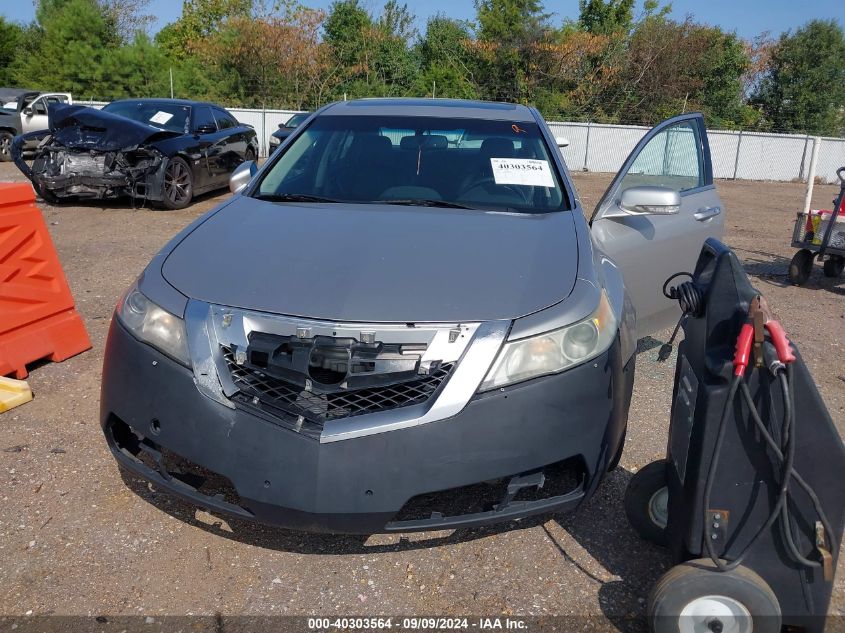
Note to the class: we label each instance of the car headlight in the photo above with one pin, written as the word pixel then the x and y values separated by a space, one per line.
pixel 552 352
pixel 274 140
pixel 154 325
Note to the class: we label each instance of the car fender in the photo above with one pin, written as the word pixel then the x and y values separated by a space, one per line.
pixel 153 284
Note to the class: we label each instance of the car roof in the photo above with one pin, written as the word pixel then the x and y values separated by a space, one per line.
pixel 184 102
pixel 432 108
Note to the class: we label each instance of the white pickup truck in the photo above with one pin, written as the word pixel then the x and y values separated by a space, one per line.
pixel 24 111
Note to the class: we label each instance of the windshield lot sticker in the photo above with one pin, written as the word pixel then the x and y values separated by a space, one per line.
pixel 161 117
pixel 522 171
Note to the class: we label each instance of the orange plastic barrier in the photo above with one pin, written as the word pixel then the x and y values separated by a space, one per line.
pixel 37 315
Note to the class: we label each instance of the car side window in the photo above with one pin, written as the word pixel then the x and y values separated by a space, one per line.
pixel 224 119
pixel 39 106
pixel 203 118
pixel 673 158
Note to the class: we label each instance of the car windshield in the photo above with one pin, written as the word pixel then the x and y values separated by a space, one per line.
pixel 296 119
pixel 166 116
pixel 426 161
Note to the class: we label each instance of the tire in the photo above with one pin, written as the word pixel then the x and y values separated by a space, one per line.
pixel 646 501
pixel 695 596
pixel 834 266
pixel 178 186
pixel 249 155
pixel 801 267
pixel 618 457
pixel 6 139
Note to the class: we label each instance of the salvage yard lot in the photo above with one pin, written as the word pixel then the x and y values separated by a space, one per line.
pixel 76 539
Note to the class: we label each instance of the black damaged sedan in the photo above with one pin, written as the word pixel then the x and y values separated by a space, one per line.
pixel 165 151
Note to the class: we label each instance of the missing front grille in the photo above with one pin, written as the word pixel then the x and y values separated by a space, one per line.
pixel 303 409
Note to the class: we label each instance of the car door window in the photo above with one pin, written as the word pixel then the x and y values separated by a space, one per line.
pixel 224 120
pixel 673 158
pixel 203 118
pixel 39 106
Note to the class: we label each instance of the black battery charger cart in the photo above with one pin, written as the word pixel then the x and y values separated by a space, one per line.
pixel 750 499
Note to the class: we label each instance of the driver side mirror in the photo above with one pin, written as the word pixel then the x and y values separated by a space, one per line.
pixel 28 110
pixel 648 200
pixel 562 141
pixel 242 175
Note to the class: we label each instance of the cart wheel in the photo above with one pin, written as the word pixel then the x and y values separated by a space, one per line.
pixel 646 502
pixel 834 266
pixel 695 597
pixel 801 267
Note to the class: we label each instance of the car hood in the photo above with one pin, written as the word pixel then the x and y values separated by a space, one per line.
pixel 377 263
pixel 79 127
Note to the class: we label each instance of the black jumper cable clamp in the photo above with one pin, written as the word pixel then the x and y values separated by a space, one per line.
pixel 750 499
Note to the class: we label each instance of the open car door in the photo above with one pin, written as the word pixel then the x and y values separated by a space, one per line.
pixel 34 115
pixel 656 214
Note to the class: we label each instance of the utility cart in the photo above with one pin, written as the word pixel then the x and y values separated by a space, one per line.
pixel 819 234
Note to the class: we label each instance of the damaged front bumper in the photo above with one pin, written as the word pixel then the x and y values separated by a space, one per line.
pixel 538 447
pixel 61 172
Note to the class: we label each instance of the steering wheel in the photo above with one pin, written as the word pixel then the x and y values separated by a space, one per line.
pixel 485 182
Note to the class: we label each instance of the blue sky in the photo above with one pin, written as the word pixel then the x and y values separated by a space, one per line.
pixel 746 17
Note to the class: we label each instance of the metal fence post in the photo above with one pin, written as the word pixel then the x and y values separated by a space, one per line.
pixel 587 146
pixel 811 176
pixel 261 145
pixel 736 158
pixel 803 158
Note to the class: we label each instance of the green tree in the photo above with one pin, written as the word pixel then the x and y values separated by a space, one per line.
pixel 71 54
pixel 398 21
pixel 199 19
pixel 345 29
pixel 804 88
pixel 371 56
pixel 447 64
pixel 606 17
pixel 509 32
pixel 11 39
pixel 139 69
pixel 128 16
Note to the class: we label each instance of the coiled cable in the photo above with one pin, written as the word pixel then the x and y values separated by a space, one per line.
pixel 691 300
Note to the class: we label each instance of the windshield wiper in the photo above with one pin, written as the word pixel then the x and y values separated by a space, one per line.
pixel 425 202
pixel 292 197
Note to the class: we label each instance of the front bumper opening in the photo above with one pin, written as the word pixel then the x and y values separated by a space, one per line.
pixel 541 490
pixel 158 464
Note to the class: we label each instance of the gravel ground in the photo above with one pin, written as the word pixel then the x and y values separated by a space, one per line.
pixel 76 539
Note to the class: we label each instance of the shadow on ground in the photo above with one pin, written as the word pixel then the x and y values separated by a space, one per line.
pixel 596 539
pixel 773 269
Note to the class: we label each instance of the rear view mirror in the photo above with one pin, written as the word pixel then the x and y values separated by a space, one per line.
pixel 27 111
pixel 649 200
pixel 562 141
pixel 242 175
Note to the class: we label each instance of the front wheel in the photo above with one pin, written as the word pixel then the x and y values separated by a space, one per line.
pixel 647 502
pixel 178 184
pixel 834 266
pixel 697 598
pixel 6 139
pixel 801 267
